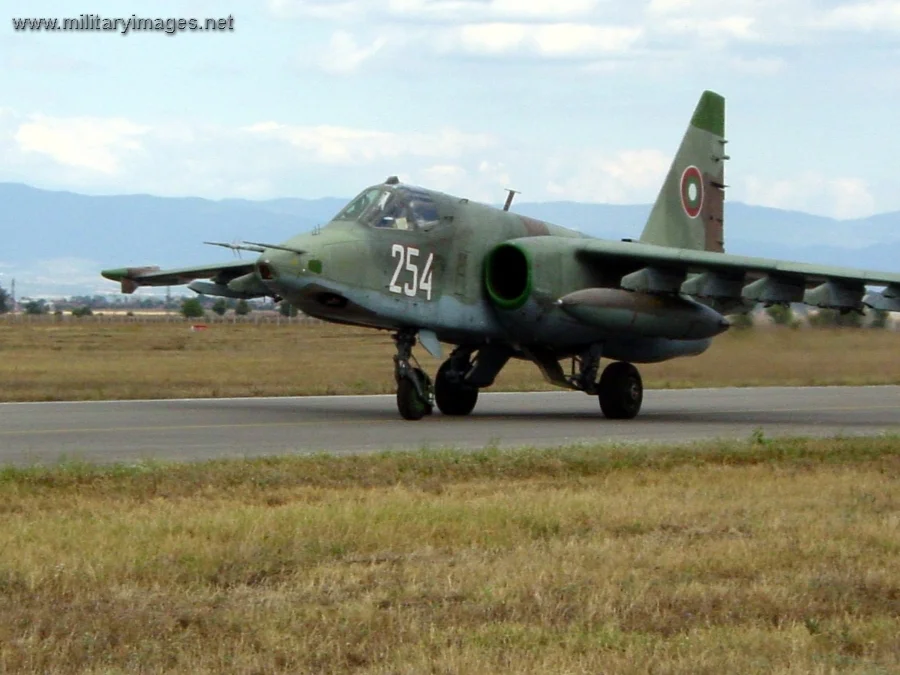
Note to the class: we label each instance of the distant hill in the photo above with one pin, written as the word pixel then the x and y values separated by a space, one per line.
pixel 54 243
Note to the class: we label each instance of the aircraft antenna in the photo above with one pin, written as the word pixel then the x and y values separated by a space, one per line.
pixel 509 198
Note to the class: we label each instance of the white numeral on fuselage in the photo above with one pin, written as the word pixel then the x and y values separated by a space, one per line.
pixel 406 259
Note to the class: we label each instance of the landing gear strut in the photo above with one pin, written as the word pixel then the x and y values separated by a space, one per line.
pixel 453 395
pixel 415 393
pixel 620 389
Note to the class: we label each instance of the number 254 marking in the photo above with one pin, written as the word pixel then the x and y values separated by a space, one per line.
pixel 406 260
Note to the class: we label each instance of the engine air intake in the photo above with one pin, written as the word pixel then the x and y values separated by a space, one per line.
pixel 508 276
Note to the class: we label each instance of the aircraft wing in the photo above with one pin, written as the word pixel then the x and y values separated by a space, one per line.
pixel 233 279
pixel 710 275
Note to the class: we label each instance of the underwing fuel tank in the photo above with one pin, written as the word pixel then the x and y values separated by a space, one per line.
pixel 663 316
pixel 209 288
pixel 246 287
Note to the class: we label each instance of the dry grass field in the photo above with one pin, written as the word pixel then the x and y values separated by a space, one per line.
pixel 87 360
pixel 753 557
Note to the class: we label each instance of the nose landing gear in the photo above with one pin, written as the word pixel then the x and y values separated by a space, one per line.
pixel 415 392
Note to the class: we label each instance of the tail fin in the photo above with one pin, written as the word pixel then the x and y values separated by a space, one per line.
pixel 689 212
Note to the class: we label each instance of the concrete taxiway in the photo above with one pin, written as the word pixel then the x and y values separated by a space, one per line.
pixel 196 429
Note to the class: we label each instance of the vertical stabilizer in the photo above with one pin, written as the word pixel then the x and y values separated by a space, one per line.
pixel 689 212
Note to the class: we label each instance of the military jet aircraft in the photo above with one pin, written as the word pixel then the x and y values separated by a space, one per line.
pixel 435 268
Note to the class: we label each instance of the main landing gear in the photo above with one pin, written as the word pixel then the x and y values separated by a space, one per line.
pixel 415 392
pixel 453 395
pixel 620 389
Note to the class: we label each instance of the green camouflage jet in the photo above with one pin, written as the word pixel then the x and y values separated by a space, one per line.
pixel 436 268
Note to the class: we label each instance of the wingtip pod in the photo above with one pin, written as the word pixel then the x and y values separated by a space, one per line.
pixel 709 114
pixel 115 274
pixel 126 276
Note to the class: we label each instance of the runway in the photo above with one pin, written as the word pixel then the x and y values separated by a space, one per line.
pixel 197 429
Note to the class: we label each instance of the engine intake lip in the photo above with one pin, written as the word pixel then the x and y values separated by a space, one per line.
pixel 508 276
pixel 266 271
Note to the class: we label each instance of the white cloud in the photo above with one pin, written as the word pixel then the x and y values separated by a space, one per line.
pixel 495 173
pixel 342 145
pixel 657 30
pixel 272 159
pixel 58 277
pixel 444 177
pixel 588 34
pixel 629 176
pixel 550 40
pixel 319 9
pixel 672 6
pixel 436 11
pixel 766 21
pixel 851 198
pixel 345 55
pixel 82 142
pixel 757 66
pixel 266 159
pixel 721 30
pixel 864 16
pixel 483 181
pixel 842 197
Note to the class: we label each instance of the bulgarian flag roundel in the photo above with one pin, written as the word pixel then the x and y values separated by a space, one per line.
pixel 692 191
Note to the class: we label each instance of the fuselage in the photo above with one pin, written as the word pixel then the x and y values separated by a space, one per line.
pixel 402 257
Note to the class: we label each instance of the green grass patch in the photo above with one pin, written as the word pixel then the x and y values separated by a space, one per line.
pixel 754 556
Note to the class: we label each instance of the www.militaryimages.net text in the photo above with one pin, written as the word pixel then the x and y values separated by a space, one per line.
pixel 124 25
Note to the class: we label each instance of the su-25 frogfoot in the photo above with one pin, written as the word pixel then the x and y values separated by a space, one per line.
pixel 435 268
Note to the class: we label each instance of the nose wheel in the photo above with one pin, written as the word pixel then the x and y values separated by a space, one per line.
pixel 621 391
pixel 415 392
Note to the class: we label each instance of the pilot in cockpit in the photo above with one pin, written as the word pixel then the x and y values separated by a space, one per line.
pixel 396 215
pixel 422 213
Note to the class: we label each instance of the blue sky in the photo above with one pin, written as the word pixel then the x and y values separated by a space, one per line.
pixel 561 99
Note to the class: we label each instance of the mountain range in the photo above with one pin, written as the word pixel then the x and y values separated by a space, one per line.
pixel 54 243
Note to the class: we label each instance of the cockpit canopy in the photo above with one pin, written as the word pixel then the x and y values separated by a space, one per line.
pixel 400 208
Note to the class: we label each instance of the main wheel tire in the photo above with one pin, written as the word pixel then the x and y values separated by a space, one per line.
pixel 453 398
pixel 621 391
pixel 409 402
